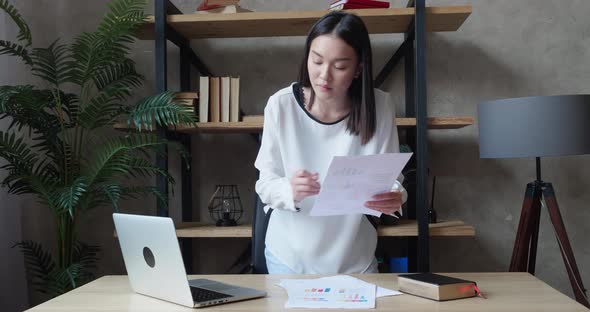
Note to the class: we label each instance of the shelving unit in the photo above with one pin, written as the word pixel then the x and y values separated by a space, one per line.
pixel 257 126
pixel 272 24
pixel 404 229
pixel 414 21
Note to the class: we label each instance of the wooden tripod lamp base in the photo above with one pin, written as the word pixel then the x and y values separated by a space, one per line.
pixel 525 245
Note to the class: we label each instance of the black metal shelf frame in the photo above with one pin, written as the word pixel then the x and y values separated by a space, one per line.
pixel 412 51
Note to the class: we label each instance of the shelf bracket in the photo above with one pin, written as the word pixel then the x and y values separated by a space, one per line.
pixel 394 60
pixel 181 42
pixel 171 8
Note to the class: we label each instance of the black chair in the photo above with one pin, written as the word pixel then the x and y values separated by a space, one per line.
pixel 259 226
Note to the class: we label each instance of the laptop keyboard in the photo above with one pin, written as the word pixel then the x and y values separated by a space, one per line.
pixel 202 295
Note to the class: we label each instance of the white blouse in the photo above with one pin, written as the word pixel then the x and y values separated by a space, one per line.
pixel 293 140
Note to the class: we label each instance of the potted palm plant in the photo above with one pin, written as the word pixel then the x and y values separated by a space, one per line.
pixel 55 146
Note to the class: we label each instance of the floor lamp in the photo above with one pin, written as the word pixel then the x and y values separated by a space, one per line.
pixel 538 127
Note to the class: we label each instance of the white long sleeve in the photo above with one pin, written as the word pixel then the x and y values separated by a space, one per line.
pixel 273 187
pixel 294 140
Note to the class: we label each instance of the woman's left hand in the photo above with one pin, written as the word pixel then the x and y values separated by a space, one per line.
pixel 387 203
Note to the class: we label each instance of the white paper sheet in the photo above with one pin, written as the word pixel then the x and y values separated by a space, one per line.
pixel 353 180
pixel 344 292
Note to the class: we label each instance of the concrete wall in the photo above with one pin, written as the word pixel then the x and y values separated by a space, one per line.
pixel 504 49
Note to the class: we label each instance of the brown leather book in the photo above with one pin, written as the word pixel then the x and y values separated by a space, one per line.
pixel 436 287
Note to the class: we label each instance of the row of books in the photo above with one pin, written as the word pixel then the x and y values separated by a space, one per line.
pixel 358 4
pixel 219 99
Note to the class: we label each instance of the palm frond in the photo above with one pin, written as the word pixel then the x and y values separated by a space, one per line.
pixel 115 156
pixel 109 44
pixel 86 58
pixel 141 167
pixel 163 109
pixel 10 48
pixel 102 110
pixel 20 162
pixel 67 199
pixel 24 33
pixel 63 280
pixel 123 19
pixel 8 94
pixel 86 255
pixel 66 159
pixel 112 191
pixel 38 262
pixel 44 182
pixel 47 277
pixel 118 80
pixel 51 64
pixel 71 106
pixel 114 83
pixel 29 108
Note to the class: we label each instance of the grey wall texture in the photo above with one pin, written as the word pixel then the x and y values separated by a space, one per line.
pixel 504 49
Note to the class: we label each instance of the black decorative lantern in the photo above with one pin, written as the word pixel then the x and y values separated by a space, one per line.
pixel 225 206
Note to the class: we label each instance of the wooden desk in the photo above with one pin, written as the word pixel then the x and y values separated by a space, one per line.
pixel 504 291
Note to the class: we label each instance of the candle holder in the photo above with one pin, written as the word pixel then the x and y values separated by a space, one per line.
pixel 225 205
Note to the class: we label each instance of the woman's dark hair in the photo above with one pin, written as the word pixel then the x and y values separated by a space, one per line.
pixel 351 29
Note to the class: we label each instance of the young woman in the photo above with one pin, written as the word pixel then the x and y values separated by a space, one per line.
pixel 332 110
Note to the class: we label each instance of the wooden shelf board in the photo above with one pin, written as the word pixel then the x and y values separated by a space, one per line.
pixel 298 23
pixel 437 122
pixel 404 228
pixel 256 126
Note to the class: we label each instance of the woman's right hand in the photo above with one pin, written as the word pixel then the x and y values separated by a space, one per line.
pixel 304 184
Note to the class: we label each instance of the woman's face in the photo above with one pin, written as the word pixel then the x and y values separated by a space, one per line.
pixel 332 65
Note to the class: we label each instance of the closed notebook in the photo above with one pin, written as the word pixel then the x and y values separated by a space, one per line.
pixel 437 287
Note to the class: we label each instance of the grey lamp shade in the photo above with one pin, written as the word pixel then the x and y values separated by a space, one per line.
pixel 534 126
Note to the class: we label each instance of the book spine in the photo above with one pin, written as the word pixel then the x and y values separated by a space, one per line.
pixel 225 98
pixel 234 100
pixel 214 99
pixel 203 99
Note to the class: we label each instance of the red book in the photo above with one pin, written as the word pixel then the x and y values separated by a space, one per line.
pixel 358 4
pixel 348 6
pixel 204 6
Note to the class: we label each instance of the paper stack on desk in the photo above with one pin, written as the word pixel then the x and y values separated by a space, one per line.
pixel 336 292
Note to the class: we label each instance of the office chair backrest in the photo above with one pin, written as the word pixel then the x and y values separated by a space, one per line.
pixel 259 225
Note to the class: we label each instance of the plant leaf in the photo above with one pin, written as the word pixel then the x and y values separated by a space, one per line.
pixel 114 159
pixel 86 255
pixel 10 48
pixel 24 33
pixel 38 262
pixel 20 162
pixel 67 199
pixel 51 63
pixel 163 109
pixel 113 192
pixel 109 43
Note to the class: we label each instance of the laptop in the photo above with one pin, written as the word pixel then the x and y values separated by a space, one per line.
pixel 155 267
